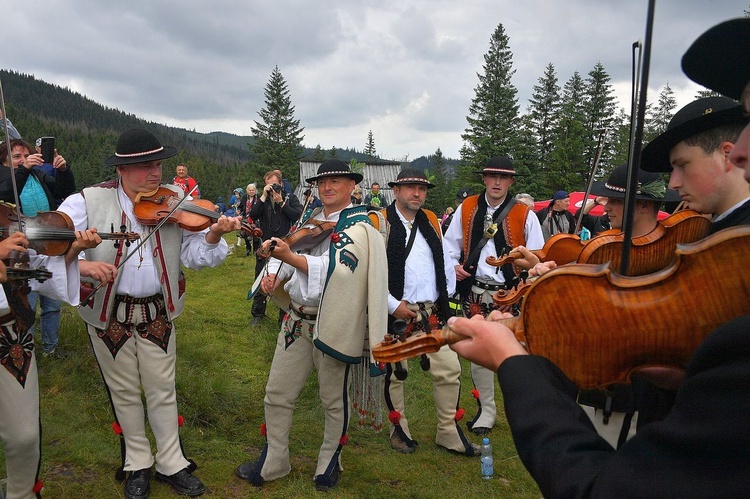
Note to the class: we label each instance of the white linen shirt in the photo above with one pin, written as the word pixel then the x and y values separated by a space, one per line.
pixel 454 239
pixel 140 279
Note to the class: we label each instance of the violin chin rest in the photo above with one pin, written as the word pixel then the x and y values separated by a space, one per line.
pixel 666 377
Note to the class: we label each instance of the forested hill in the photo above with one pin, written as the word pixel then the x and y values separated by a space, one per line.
pixel 86 133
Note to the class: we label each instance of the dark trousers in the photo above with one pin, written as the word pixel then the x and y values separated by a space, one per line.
pixel 259 300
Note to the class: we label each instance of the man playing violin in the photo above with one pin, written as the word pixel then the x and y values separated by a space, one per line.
pixel 338 290
pixel 418 294
pixel 19 383
pixel 702 447
pixel 494 223
pixel 130 321
pixel 695 149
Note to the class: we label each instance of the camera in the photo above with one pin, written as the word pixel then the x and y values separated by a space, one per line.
pixel 48 149
pixel 276 187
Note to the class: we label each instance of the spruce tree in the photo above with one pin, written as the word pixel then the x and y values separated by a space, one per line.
pixel 493 113
pixel 601 112
pixel 660 115
pixel 568 154
pixel 278 139
pixel 370 146
pixel 544 114
pixel 318 154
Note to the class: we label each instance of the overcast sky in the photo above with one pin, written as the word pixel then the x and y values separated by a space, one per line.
pixel 404 69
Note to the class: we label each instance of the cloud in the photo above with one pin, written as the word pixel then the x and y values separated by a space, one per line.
pixel 404 69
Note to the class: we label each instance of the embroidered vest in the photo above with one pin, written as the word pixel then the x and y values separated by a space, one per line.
pixel 103 209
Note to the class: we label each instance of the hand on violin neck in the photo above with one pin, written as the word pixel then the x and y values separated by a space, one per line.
pixel 85 239
pixel 524 258
pixel 282 251
pixel 15 242
pixel 487 343
pixel 222 226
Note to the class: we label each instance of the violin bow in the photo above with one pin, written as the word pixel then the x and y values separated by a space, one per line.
pixel 636 141
pixel 138 246
pixel 594 166
pixel 10 159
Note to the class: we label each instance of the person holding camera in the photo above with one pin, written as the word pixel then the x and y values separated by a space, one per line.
pixel 274 214
pixel 38 191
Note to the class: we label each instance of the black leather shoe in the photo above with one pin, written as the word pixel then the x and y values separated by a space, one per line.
pixel 183 482
pixel 323 482
pixel 249 471
pixel 138 486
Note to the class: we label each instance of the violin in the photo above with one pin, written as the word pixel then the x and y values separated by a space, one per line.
pixel 49 232
pixel 649 253
pixel 302 239
pixel 192 215
pixel 622 325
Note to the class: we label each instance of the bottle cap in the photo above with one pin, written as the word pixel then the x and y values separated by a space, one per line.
pixel 486 441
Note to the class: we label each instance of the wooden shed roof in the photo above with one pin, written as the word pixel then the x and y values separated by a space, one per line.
pixel 379 171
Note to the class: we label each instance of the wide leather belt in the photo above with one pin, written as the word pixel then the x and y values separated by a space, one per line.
pixel 138 301
pixel 488 286
pixel 306 314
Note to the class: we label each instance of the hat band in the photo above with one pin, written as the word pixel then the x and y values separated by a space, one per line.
pixel 411 180
pixel 136 154
pixel 330 174
pixel 656 189
pixel 498 170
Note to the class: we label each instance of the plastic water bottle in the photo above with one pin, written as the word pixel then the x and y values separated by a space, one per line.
pixel 488 468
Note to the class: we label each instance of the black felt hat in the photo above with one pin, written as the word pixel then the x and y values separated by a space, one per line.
pixel 651 186
pixel 411 176
pixel 464 193
pixel 698 116
pixel 720 58
pixel 499 165
pixel 334 168
pixel 138 146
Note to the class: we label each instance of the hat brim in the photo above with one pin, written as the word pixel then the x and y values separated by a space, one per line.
pixel 719 60
pixel 425 183
pixel 499 172
pixel 166 152
pixel 655 156
pixel 357 177
pixel 599 188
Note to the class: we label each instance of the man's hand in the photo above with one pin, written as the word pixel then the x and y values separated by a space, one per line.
pixel 15 242
pixel 85 239
pixel 487 343
pixel 402 312
pixel 268 284
pixel 461 274
pixel 223 226
pixel 101 271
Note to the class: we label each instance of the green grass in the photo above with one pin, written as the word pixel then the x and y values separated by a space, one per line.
pixel 221 375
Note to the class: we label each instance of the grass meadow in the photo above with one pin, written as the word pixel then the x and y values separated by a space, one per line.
pixel 221 374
